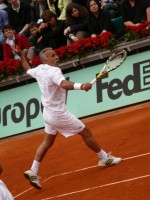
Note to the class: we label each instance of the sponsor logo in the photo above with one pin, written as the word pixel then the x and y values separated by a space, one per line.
pixel 18 112
pixel 137 82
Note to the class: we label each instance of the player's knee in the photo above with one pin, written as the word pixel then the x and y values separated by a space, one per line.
pixel 86 132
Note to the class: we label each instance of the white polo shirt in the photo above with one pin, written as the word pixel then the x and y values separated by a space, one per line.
pixel 49 78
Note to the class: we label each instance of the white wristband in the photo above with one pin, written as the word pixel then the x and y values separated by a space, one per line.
pixel 77 86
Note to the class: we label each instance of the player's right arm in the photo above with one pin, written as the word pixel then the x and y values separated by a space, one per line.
pixel 68 85
pixel 58 78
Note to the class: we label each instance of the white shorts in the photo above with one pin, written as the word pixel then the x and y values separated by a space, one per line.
pixel 66 123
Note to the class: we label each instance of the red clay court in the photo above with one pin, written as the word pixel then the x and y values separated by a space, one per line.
pixel 69 170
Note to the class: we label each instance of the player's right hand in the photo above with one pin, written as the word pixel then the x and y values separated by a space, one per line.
pixel 86 86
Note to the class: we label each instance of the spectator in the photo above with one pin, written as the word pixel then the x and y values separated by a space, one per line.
pixel 19 15
pixel 3 5
pixel 1 52
pixel 135 12
pixel 58 7
pixel 98 20
pixel 53 35
pixel 35 32
pixel 3 21
pixel 112 7
pixel 38 7
pixel 75 17
pixel 16 39
pixel 4 192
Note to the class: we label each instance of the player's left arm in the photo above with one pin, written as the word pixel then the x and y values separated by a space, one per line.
pixel 68 85
pixel 24 62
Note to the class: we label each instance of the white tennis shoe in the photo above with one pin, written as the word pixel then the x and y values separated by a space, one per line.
pixel 110 160
pixel 33 178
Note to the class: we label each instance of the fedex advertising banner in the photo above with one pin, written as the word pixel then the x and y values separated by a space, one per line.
pixel 21 108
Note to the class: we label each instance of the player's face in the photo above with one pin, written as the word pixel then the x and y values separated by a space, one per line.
pixel 51 58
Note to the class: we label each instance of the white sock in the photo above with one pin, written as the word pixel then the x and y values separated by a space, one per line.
pixel 102 154
pixel 35 166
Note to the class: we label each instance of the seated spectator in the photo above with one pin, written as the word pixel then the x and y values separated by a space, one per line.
pixel 3 5
pixel 58 7
pixel 16 39
pixel 112 7
pixel 4 192
pixel 38 7
pixel 1 52
pixel 135 12
pixel 3 21
pixel 53 34
pixel 98 21
pixel 35 30
pixel 75 17
pixel 19 15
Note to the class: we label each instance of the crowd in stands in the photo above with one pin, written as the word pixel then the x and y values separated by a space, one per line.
pixel 36 24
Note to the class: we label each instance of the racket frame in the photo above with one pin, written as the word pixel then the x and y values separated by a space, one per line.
pixel 103 71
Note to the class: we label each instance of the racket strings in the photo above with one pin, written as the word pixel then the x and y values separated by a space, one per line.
pixel 114 62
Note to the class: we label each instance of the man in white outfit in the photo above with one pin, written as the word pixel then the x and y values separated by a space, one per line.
pixel 53 86
pixel 4 192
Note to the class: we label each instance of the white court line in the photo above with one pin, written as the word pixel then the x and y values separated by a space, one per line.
pixel 78 170
pixel 83 169
pixel 96 187
pixel 140 155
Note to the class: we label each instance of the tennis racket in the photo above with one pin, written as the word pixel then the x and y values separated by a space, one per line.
pixel 114 61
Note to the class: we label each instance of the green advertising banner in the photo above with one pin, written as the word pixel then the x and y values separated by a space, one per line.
pixel 21 110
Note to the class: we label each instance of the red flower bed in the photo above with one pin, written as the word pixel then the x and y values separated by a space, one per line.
pixel 85 46
pixel 10 68
pixel 137 32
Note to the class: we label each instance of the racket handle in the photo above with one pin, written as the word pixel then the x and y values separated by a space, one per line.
pixel 93 81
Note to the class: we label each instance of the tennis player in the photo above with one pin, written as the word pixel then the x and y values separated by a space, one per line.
pixel 57 118
pixel 4 192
